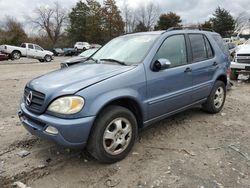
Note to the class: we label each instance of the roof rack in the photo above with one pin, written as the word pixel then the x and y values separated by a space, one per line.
pixel 190 28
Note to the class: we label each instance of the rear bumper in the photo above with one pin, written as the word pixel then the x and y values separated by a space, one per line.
pixel 72 133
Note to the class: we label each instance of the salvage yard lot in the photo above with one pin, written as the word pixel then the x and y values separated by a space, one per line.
pixel 191 149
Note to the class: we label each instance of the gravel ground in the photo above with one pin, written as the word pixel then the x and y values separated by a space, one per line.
pixel 191 149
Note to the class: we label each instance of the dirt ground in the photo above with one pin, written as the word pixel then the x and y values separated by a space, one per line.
pixel 191 149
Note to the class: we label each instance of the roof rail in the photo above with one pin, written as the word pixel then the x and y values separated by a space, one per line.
pixel 190 28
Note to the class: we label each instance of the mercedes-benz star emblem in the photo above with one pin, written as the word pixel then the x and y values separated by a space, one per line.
pixel 29 98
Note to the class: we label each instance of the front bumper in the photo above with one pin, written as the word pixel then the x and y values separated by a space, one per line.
pixel 240 68
pixel 72 133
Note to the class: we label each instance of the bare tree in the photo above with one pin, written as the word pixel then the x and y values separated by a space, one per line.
pixel 148 15
pixel 129 17
pixel 12 32
pixel 152 14
pixel 242 22
pixel 50 20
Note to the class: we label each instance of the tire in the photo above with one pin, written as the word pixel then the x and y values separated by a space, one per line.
pixel 233 75
pixel 41 60
pixel 16 55
pixel 47 58
pixel 216 99
pixel 114 127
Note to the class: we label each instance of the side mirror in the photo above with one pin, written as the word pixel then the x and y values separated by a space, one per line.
pixel 161 64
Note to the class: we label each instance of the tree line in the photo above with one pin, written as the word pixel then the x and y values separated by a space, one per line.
pixel 98 23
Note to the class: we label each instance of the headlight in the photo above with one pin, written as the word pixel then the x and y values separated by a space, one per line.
pixel 67 105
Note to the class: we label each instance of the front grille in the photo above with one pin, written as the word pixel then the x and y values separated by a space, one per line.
pixel 247 61
pixel 244 55
pixel 36 102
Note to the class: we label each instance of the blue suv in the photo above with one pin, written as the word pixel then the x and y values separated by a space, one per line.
pixel 130 83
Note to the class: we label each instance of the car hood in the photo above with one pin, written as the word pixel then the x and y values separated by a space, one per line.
pixel 48 52
pixel 71 80
pixel 75 59
pixel 243 49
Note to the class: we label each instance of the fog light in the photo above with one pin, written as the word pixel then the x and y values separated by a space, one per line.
pixel 51 130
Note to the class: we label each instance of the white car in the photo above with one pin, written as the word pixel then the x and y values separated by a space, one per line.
pixel 82 46
pixel 27 50
pixel 241 65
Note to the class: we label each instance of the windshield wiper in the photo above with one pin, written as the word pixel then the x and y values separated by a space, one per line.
pixel 91 58
pixel 115 61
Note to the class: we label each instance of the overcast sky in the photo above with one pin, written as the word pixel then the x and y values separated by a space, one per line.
pixel 191 11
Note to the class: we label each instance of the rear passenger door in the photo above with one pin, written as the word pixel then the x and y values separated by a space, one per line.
pixel 203 65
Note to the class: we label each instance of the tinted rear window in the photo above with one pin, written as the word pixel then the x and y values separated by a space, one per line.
pixel 199 50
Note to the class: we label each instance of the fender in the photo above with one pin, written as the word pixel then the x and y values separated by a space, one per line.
pixel 108 97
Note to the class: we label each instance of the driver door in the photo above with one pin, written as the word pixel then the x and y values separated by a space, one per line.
pixel 170 89
pixel 31 51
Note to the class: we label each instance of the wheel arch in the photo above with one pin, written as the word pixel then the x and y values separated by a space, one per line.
pixel 17 51
pixel 222 78
pixel 129 103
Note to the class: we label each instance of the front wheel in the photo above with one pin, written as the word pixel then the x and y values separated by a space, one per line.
pixel 48 58
pixel 113 135
pixel 216 99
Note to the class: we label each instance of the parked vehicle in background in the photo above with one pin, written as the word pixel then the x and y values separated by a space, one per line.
pixel 4 57
pixel 27 50
pixel 69 51
pixel 79 59
pixel 57 51
pixel 232 48
pixel 82 46
pixel 227 40
pixel 95 46
pixel 130 83
pixel 241 65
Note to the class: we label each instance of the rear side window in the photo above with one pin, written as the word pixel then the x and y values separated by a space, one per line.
pixel 221 44
pixel 23 45
pixel 201 47
pixel 173 49
pixel 199 51
pixel 30 46
pixel 210 53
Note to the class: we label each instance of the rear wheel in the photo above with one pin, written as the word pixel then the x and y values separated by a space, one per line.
pixel 216 99
pixel 16 55
pixel 48 58
pixel 113 135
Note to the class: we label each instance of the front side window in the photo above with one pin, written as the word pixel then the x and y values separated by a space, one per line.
pixel 38 48
pixel 173 49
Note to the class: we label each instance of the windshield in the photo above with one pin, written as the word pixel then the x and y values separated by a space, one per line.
pixel 130 49
pixel 88 53
pixel 248 41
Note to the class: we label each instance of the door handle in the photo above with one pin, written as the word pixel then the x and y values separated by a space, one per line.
pixel 215 64
pixel 188 69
